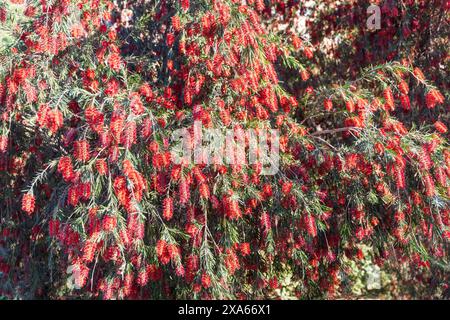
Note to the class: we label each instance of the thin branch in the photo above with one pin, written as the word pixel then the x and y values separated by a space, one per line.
pixel 317 133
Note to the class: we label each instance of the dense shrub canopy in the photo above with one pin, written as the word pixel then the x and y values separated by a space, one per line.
pixel 94 205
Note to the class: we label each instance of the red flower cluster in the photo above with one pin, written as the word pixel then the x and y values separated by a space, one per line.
pixel 87 115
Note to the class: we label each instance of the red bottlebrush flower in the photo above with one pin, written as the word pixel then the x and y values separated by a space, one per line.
pixel 433 98
pixel 360 233
pixel 375 104
pixel 153 147
pixel 53 227
pixel 232 210
pixel 441 176
pixel 158 161
pixel 379 148
pixel 43 115
pixel 374 221
pixel 261 113
pixel 308 53
pixel 440 126
pixel 116 126
pixel 286 187
pixel 171 252
pixel 296 42
pixel 3 143
pixel 128 284
pixel 95 118
pixel 136 104
pixel 360 254
pixel 225 117
pixel 419 74
pixel 146 91
pixel 304 75
pixel 180 271
pixel 350 105
pixel 403 87
pixel 85 190
pixel 167 208
pixel 196 288
pixel 429 185
pixel 399 233
pixel 139 184
pixel 54 120
pixel 204 191
pixel 206 280
pixel 3 13
pixel 198 174
pixel 184 4
pixel 101 166
pixel 89 251
pixel 280 120
pixel 81 150
pixel 128 137
pixel 109 223
pixel 400 177
pixel 245 248
pixel 176 24
pixel 417 200
pixel 267 190
pixel 351 161
pixel 389 98
pixel 425 159
pixel 192 263
pixel 161 248
pixel 381 189
pixel 231 262
pixel 112 87
pixel 265 222
pixel 90 74
pixel 139 231
pixel 399 216
pixel 354 122
pixel 154 272
pixel 127 167
pixel 273 283
pixel 115 61
pixel 93 212
pixel 77 31
pixel 405 103
pixel 183 191
pixel 358 214
pixel 73 195
pixel 328 104
pixel 146 128
pixel 170 39
pixel 28 203
pixel 446 234
pixel 310 224
pixel 30 92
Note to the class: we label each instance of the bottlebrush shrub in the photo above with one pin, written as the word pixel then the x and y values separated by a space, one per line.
pixel 93 205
